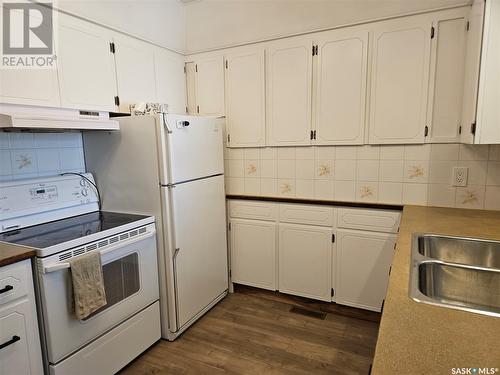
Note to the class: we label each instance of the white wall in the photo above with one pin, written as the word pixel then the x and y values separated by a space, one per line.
pixel 161 22
pixel 218 23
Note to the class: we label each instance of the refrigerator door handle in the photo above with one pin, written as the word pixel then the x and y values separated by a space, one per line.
pixel 165 123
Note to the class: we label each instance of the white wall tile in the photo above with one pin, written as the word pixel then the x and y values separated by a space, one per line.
pixel 252 168
pixel 268 168
pixel 417 152
pixel 48 160
pixel 235 153
pixel 304 169
pixel 324 152
pixel 494 152
pixel 286 153
pixel 441 172
pixel 474 152
pixel 21 140
pixel 304 153
pixel 70 139
pixel 46 140
pixel 415 194
pixel 492 198
pixel 477 171
pixel 366 191
pixel 441 195
pixel 286 168
pixel 4 141
pixel 71 159
pixel 236 185
pixel 444 151
pixel 368 152
pixel 268 153
pixel 390 192
pixel 345 170
pixel 324 170
pixel 252 153
pixel 416 171
pixel 236 168
pixel 392 152
pixel 323 189
pixel 5 163
pixel 470 197
pixel 286 187
pixel 24 162
pixel 391 170
pixel 345 152
pixel 252 186
pixel 493 175
pixel 268 186
pixel 367 170
pixel 344 190
pixel 304 188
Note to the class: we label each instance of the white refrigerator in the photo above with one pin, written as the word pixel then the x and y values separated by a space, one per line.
pixel 171 166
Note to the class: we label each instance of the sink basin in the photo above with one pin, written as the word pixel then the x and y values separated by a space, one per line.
pixel 455 272
pixel 468 251
pixel 467 287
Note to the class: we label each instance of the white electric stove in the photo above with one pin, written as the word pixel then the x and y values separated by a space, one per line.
pixel 60 218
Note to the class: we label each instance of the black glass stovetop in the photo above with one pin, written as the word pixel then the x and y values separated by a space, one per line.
pixel 56 232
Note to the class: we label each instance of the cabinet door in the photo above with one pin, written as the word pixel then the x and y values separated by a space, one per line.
pixel 170 80
pixel 363 262
pixel 447 81
pixel 288 80
pixel 210 86
pixel 135 71
pixel 29 86
pixel 340 82
pixel 191 87
pixel 488 114
pixel 399 81
pixel 87 77
pixel 18 329
pixel 253 253
pixel 305 261
pixel 245 99
pixel 472 63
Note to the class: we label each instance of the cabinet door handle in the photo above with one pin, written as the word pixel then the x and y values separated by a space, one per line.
pixel 10 342
pixel 6 289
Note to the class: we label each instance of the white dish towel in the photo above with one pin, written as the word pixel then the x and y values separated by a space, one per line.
pixel 88 284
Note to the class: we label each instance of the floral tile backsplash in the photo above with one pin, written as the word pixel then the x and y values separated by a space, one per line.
pixel 30 155
pixel 398 174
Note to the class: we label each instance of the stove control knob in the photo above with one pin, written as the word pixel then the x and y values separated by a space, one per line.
pixel 85 192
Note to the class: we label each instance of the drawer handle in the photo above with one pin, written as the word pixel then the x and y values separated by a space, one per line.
pixel 6 289
pixel 13 340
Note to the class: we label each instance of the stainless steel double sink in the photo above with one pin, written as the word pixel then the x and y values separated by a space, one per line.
pixel 456 272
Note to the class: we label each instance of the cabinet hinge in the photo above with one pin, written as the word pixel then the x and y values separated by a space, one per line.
pixel 460 129
pixel 382 307
pixel 333 238
pixel 230 273
pixel 394 246
pixel 112 47
pixel 432 32
pixel 229 226
pixel 226 64
pixel 467 27
pixel 333 292
pixel 185 71
pixel 313 50
pixel 117 100
pixel 229 138
pixel 316 50
pixel 312 135
pixel 426 131
pixel 198 109
pixel 196 68
pixel 187 109
pixel 473 128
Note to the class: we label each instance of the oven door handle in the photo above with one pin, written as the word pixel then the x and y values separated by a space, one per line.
pixel 64 265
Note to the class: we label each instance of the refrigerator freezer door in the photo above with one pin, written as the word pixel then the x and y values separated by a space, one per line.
pixel 200 264
pixel 194 147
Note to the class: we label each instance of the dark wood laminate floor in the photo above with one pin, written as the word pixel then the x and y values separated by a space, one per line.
pixel 254 332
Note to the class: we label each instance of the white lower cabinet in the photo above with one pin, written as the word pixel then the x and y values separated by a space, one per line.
pixel 305 261
pixel 253 253
pixel 20 352
pixel 363 262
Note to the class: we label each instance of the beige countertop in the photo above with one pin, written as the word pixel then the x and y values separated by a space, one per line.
pixel 12 253
pixel 416 338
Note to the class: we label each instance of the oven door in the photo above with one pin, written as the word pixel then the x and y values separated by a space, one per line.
pixel 131 284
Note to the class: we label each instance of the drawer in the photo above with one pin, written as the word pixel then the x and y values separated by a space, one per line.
pixel 253 210
pixel 306 214
pixel 15 281
pixel 373 220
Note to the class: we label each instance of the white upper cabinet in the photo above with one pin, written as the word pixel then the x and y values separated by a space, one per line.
pixel 210 86
pixel 447 80
pixel 190 88
pixel 471 76
pixel 87 78
pixel 488 106
pixel 29 86
pixel 245 99
pixel 289 88
pixel 170 80
pixel 340 87
pixel 399 81
pixel 135 71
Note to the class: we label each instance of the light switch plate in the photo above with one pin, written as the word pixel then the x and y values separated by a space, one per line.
pixel 460 175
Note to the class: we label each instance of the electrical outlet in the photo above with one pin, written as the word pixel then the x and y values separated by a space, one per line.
pixel 460 176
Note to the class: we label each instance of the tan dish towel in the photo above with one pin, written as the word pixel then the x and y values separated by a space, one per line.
pixel 88 284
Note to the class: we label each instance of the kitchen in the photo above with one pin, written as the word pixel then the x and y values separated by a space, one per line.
pixel 250 187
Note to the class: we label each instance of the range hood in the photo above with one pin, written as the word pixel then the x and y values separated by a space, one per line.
pixel 54 120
